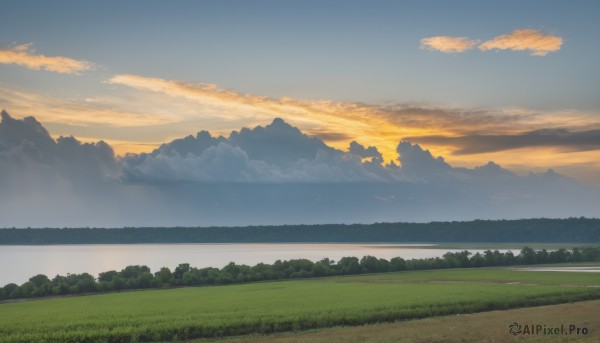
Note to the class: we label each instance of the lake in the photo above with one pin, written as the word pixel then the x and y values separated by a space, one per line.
pixel 19 263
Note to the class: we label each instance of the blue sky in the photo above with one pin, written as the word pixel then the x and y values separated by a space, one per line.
pixel 345 51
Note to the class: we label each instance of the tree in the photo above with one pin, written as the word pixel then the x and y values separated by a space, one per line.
pixel 107 276
pixel 457 259
pixel 164 275
pixel 323 267
pixel 9 289
pixel 15 294
pixel 189 279
pixel 232 269
pixel 591 254
pixel 384 265
pixel 39 280
pixel 577 255
pixel 144 280
pixel 86 283
pixel 477 260
pixel 398 264
pixel 133 271
pixel 509 258
pixel 560 255
pixel 60 289
pixel 117 283
pixel 349 265
pixel 43 290
pixel 527 255
pixel 26 289
pixel 541 256
pixel 489 258
pixel 58 279
pixel 181 269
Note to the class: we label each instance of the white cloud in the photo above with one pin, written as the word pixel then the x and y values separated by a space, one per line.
pixel 24 55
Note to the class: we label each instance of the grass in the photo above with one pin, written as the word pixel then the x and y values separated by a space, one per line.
pixel 184 313
pixel 486 327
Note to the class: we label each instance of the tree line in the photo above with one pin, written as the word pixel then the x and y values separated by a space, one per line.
pixel 541 230
pixel 141 277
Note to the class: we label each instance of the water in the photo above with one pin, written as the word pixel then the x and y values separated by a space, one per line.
pixel 590 269
pixel 19 263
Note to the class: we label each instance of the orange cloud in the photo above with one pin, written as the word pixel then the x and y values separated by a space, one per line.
pixel 48 109
pixel 157 110
pixel 448 45
pixel 535 41
pixel 338 123
pixel 24 55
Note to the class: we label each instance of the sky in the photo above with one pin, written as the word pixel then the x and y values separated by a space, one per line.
pixel 513 83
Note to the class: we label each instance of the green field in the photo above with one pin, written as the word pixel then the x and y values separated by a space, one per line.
pixel 267 307
pixel 484 327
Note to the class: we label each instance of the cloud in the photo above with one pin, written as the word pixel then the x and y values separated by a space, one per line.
pixel 74 159
pixel 275 153
pixel 356 120
pixel 46 182
pixel 220 163
pixel 73 111
pixel 278 143
pixel 127 129
pixel 24 55
pixel 539 43
pixel 274 174
pixel 419 162
pixel 447 44
pixel 330 136
pixel 339 123
pixel 557 138
pixel 359 150
pixel 141 118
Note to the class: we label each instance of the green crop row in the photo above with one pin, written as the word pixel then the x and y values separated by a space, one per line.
pixel 185 313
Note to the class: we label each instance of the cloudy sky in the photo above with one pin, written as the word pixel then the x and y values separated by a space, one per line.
pixel 511 82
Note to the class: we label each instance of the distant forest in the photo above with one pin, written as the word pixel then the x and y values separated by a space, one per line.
pixel 571 230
